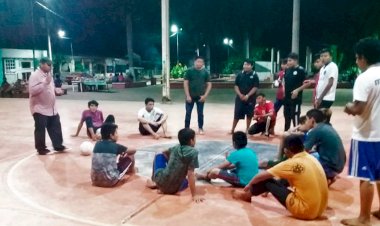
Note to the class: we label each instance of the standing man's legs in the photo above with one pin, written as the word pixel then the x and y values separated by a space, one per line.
pixel 296 113
pixel 55 132
pixel 189 109
pixel 40 122
pixel 287 115
pixel 277 105
pixel 377 212
pixel 200 107
pixel 366 197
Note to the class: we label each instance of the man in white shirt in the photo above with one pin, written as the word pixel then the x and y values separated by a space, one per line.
pixel 327 82
pixel 152 119
pixel 365 144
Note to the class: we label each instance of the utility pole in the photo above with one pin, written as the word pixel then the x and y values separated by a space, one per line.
pixel 165 51
pixel 296 26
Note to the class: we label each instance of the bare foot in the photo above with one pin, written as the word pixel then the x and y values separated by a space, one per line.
pixel 150 184
pixel 241 195
pixel 356 222
pixel 156 136
pixel 376 214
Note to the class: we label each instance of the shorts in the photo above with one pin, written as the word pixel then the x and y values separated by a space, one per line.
pixel 243 108
pixel 364 161
pixel 230 176
pixel 145 132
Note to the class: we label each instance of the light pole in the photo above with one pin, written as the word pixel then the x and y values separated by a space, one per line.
pixel 228 42
pixel 61 34
pixel 175 30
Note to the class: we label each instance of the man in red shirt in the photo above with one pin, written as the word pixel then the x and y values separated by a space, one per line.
pixel 264 115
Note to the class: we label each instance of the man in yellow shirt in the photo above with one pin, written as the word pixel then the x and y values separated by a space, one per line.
pixel 306 197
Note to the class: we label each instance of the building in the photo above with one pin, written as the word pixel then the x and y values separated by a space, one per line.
pixel 18 63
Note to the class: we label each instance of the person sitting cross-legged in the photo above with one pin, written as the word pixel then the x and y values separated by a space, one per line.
pixel 264 115
pixel 240 166
pixel 307 198
pixel 151 119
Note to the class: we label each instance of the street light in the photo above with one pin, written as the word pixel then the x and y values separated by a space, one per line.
pixel 228 42
pixel 175 30
pixel 62 35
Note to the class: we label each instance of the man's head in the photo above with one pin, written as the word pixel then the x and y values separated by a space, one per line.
pixel 149 104
pixel 302 127
pixel 284 64
pixel 186 136
pixel 292 60
pixel 293 144
pixel 93 105
pixel 248 65
pixel 260 99
pixel 45 64
pixel 367 52
pixel 317 63
pixel 199 62
pixel 326 56
pixel 109 132
pixel 313 117
pixel 239 140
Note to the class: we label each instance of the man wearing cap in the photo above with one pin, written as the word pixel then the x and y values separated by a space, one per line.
pixel 42 94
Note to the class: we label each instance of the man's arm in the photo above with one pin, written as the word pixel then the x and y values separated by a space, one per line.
pixel 237 91
pixel 264 175
pixel 186 89
pixel 80 125
pixel 144 121
pixel 191 178
pixel 225 165
pixel 163 118
pixel 38 84
pixel 208 89
pixel 355 108
pixel 325 91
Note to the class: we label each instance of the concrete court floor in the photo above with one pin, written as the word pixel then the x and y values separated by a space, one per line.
pixel 56 189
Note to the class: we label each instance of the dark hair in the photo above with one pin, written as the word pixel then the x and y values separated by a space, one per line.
pixel 294 143
pixel 302 119
pixel 185 136
pixel 316 114
pixel 45 60
pixel 316 57
pixel 199 57
pixel 110 119
pixel 239 139
pixel 107 130
pixel 148 99
pixel 325 50
pixel 293 56
pixel 260 94
pixel 251 62
pixel 368 48
pixel 284 61
pixel 93 102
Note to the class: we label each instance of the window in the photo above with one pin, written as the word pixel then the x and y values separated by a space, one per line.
pixel 10 65
pixel 26 64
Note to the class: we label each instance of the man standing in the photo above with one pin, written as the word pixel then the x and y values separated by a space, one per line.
pixel 365 145
pixel 43 108
pixel 246 85
pixel 197 86
pixel 327 82
pixel 294 78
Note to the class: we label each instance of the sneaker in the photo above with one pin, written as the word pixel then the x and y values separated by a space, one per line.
pixel 61 149
pixel 43 151
pixel 201 132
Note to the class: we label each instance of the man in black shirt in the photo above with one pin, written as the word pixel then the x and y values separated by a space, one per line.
pixel 294 78
pixel 246 85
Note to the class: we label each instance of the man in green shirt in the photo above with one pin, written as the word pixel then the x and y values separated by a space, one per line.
pixel 197 86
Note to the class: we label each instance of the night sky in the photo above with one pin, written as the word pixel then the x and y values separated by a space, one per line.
pixel 98 27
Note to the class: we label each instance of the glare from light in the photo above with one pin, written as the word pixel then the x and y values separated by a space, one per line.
pixel 61 33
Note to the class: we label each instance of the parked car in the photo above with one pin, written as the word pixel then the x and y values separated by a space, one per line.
pixel 76 76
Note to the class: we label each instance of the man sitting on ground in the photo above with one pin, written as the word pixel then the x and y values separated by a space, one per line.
pixel 308 197
pixel 240 166
pixel 94 120
pixel 264 115
pixel 151 119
